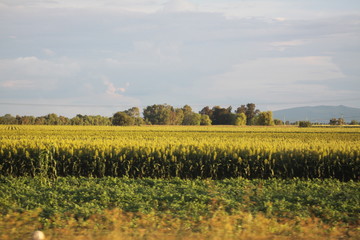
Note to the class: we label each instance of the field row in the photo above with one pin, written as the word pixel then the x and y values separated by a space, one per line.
pixel 165 152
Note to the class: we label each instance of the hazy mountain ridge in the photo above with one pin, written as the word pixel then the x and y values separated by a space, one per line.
pixel 318 113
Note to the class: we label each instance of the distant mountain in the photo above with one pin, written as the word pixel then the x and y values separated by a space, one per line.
pixel 321 114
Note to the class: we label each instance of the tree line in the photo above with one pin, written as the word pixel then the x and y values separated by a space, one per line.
pixel 157 114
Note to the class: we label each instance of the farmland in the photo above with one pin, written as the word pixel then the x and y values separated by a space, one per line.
pixel 184 152
pixel 180 182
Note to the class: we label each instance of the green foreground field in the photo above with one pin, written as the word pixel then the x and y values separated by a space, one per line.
pixel 177 182
pixel 122 208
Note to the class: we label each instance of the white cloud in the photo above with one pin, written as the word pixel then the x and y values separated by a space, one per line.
pixel 277 79
pixel 48 52
pixel 279 10
pixel 35 73
pixel 142 6
pixel 270 71
pixel 165 52
pixel 179 6
pixel 175 51
pixel 291 43
pixel 283 45
pixel 112 90
pixel 280 19
pixel 35 67
pixel 18 84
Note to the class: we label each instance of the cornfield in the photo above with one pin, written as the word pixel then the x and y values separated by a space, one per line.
pixel 177 151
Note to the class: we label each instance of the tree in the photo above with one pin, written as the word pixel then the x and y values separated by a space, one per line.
pixel 206 111
pixel 51 119
pixel 278 122
pixel 339 121
pixel 159 114
pixel 354 122
pixel 133 112
pixel 240 119
pixel 8 119
pixel 26 120
pixel 187 109
pixel 77 120
pixel 241 109
pixel 205 120
pixel 122 119
pixel 40 121
pixel 305 124
pixel 192 119
pixel 251 112
pixel 265 119
pixel 333 121
pixel 63 120
pixel 178 116
pixel 222 116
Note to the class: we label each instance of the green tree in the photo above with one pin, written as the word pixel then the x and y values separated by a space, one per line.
pixel 160 114
pixel 305 124
pixel 250 113
pixel 241 109
pixel 77 120
pixel 51 119
pixel 133 112
pixel 222 116
pixel 122 119
pixel 240 119
pixel 27 120
pixel 63 120
pixel 265 119
pixel 187 109
pixel 8 119
pixel 178 116
pixel 354 122
pixel 192 119
pixel 206 111
pixel 339 121
pixel 278 122
pixel 40 121
pixel 205 120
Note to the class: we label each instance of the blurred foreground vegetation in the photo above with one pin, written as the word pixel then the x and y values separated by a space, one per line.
pixel 204 209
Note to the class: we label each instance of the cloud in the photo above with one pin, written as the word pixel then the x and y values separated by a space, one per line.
pixel 283 70
pixel 35 67
pixel 48 52
pixel 142 6
pixel 179 6
pixel 177 52
pixel 288 43
pixel 280 19
pixel 112 90
pixel 282 46
pixel 275 80
pixel 32 72
pixel 18 84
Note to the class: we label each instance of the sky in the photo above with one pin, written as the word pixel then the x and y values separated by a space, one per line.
pixel 98 57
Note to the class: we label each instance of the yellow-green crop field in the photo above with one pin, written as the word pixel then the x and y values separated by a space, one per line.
pixel 177 151
pixel 179 182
